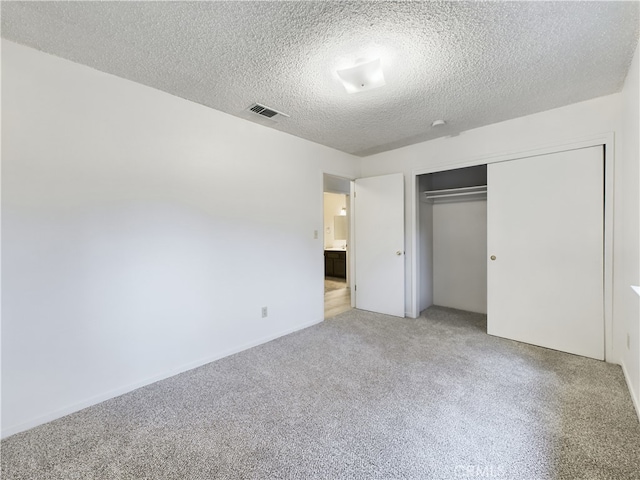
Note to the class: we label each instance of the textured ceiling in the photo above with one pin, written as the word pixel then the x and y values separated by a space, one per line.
pixel 469 63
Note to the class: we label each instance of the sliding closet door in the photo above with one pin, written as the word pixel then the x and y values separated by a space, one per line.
pixel 545 223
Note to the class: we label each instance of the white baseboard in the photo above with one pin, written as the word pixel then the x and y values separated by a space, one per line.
pixel 128 388
pixel 634 398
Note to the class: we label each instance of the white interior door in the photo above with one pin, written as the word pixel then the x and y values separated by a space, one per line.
pixel 379 240
pixel 545 218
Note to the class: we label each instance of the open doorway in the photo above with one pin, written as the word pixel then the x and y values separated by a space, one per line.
pixel 336 236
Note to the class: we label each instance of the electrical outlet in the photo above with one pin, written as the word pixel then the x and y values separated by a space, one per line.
pixel 628 342
pixel 264 312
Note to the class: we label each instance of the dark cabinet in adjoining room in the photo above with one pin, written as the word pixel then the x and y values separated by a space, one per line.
pixel 335 263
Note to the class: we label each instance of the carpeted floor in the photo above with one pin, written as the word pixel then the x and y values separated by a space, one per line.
pixel 359 396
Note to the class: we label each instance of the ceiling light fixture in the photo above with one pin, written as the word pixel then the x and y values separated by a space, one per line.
pixel 438 123
pixel 366 75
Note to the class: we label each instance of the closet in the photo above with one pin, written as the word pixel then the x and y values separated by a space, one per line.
pixel 523 241
pixel 453 239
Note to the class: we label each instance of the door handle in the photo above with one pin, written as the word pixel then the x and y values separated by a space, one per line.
pixel 493 257
pixel 398 252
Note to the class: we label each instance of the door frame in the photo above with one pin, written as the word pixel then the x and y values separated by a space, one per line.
pixel 351 251
pixel 605 139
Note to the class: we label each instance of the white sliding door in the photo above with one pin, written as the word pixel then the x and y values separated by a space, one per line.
pixel 379 240
pixel 545 218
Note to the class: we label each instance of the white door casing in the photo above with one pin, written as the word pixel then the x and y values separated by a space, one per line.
pixel 379 244
pixel 545 218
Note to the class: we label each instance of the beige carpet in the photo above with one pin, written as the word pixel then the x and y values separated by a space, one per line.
pixel 360 396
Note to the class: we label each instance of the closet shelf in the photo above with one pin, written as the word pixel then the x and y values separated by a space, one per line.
pixel 451 194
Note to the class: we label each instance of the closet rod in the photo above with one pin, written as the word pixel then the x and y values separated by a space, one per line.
pixel 462 194
pixel 455 192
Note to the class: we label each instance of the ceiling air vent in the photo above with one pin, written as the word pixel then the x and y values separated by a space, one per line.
pixel 266 111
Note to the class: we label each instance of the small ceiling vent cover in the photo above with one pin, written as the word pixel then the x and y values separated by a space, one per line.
pixel 266 111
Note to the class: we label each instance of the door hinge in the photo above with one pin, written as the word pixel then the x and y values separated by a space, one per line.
pixel 355 288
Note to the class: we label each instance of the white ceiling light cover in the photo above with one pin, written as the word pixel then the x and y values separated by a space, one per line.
pixel 364 76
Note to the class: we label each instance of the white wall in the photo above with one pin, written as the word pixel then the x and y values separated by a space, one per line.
pixel 140 238
pixel 333 203
pixel 460 255
pixel 627 237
